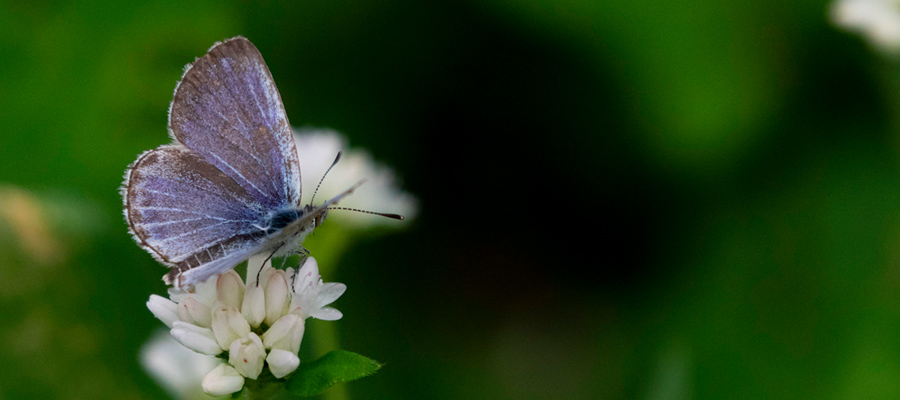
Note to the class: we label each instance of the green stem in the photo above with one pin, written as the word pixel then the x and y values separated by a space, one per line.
pixel 326 340
pixel 263 388
pixel 332 244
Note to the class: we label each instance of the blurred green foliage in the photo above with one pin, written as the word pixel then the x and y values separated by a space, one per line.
pixel 653 200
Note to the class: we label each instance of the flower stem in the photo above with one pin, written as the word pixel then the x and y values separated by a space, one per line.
pixel 326 339
pixel 325 335
pixel 263 388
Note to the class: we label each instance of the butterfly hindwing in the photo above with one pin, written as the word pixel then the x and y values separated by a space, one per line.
pixel 189 214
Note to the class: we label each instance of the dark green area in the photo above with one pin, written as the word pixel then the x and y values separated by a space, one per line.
pixel 619 200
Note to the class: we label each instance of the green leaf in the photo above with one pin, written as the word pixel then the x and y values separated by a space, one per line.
pixel 335 367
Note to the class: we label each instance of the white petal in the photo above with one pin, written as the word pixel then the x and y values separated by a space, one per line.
pixel 230 289
pixel 282 362
pixel 222 380
pixel 329 293
pixel 276 297
pixel 254 307
pixel 196 338
pixel 163 308
pixel 326 314
pixel 307 276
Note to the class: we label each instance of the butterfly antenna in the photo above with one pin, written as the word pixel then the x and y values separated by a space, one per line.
pixel 336 159
pixel 392 216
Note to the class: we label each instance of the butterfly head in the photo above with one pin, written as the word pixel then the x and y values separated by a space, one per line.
pixel 282 219
pixel 320 217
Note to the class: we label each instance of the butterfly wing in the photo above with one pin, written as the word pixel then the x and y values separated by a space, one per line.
pixel 190 215
pixel 227 109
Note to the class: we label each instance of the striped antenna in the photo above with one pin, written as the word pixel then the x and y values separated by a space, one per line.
pixel 392 216
pixel 336 159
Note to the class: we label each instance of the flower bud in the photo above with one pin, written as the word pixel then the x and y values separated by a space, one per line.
pixel 196 338
pixel 276 297
pixel 254 307
pixel 230 289
pixel 227 325
pixel 222 381
pixel 247 355
pixel 285 334
pixel 192 311
pixel 282 362
pixel 163 308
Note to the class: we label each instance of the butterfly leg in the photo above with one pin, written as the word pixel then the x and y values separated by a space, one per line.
pixel 303 252
pixel 267 260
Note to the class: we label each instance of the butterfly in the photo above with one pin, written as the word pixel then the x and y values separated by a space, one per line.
pixel 228 187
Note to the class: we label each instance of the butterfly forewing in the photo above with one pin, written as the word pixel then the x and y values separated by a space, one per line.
pixel 227 109
pixel 189 214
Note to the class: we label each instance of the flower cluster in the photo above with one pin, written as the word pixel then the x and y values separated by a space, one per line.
pixel 257 324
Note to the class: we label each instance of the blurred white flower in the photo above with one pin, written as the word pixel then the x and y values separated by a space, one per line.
pixel 176 368
pixel 257 324
pixel 317 149
pixel 877 20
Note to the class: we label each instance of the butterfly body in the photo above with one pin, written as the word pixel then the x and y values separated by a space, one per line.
pixel 229 185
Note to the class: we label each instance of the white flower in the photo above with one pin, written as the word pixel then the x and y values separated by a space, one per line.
pixel 317 149
pixel 258 324
pixel 877 20
pixel 311 295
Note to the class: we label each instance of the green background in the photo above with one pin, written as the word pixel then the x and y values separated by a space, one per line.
pixel 648 200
